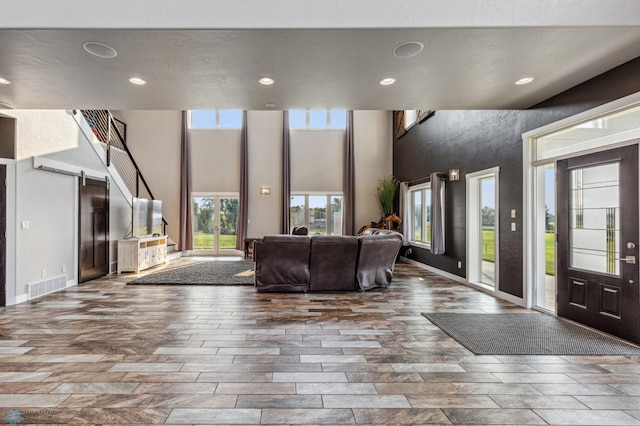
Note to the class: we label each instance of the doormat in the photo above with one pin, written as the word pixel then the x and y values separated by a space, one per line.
pixel 526 334
pixel 215 272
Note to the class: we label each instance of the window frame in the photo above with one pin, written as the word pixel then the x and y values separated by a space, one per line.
pixel 329 196
pixel 422 188
pixel 308 120
pixel 217 120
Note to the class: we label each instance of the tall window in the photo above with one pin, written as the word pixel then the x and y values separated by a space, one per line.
pixel 320 213
pixel 420 202
pixel 317 119
pixel 215 119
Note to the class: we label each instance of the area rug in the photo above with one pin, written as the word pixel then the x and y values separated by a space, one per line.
pixel 216 272
pixel 526 334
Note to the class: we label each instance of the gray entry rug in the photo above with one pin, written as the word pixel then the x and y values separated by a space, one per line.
pixel 216 272
pixel 526 334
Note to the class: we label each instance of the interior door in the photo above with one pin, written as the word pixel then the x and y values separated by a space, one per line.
pixel 94 230
pixel 597 241
pixel 3 234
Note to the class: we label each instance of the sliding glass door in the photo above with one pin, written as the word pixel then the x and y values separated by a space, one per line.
pixel 215 223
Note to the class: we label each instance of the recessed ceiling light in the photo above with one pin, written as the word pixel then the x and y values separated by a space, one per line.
pixel 4 81
pixel 524 80
pixel 138 81
pixel 408 49
pixel 266 81
pixel 387 81
pixel 270 105
pixel 100 50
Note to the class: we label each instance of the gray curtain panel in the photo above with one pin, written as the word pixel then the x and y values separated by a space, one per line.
pixel 348 181
pixel 244 185
pixel 437 213
pixel 286 174
pixel 186 235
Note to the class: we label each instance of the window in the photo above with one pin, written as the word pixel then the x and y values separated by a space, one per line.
pixel 410 117
pixel 420 202
pixel 320 213
pixel 216 119
pixel 317 119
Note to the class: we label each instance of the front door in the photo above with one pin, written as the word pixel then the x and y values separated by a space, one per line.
pixel 215 224
pixel 597 236
pixel 94 230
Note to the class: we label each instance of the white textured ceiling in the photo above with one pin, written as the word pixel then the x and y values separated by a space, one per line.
pixel 323 64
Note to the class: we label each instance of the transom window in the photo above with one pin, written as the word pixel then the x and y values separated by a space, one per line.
pixel 317 119
pixel 320 213
pixel 420 204
pixel 215 119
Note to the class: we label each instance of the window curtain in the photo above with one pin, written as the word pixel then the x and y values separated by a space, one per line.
pixel 437 213
pixel 405 212
pixel 186 234
pixel 244 185
pixel 286 173
pixel 348 181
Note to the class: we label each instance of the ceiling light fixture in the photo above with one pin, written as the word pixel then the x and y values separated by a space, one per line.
pixel 266 81
pixel 4 81
pixel 408 49
pixel 100 50
pixel 387 81
pixel 137 81
pixel 524 80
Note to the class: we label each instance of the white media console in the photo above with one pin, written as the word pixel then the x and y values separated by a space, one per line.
pixel 137 254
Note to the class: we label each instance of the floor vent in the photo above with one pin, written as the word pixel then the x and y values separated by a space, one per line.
pixel 47 286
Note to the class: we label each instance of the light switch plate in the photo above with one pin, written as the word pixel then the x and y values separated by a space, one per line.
pixel 513 226
pixel 25 224
pixel 513 213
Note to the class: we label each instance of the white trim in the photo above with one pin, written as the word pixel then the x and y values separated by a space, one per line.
pixel 497 294
pixel 528 177
pixel 474 263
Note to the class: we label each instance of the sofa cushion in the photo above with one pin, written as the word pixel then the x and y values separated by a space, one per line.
pixel 376 259
pixel 282 263
pixel 333 263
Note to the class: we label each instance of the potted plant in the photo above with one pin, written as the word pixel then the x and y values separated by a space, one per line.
pixel 386 192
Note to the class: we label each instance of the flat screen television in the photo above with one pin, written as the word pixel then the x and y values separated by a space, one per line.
pixel 146 217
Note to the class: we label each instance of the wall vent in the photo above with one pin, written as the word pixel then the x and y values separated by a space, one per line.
pixel 47 286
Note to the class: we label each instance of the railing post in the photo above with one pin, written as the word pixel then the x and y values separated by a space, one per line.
pixel 108 139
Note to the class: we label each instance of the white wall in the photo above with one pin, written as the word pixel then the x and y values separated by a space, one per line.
pixel 49 201
pixel 153 137
pixel 373 153
pixel 265 165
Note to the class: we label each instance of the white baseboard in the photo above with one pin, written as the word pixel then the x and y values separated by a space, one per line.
pixel 22 298
pixel 499 294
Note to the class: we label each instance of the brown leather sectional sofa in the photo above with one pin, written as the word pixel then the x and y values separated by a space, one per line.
pixel 325 263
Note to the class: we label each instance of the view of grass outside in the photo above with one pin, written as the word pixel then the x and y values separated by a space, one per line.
pixel 204 241
pixel 488 249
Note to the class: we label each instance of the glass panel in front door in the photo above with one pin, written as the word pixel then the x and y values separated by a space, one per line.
pixel 594 211
pixel 203 223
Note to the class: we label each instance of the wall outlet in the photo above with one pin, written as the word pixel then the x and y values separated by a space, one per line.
pixel 64 269
pixel 44 273
pixel 513 226
pixel 513 213
pixel 459 264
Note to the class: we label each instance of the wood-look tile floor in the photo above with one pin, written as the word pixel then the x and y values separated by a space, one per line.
pixel 108 353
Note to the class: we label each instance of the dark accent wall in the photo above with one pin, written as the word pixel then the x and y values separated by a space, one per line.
pixel 481 139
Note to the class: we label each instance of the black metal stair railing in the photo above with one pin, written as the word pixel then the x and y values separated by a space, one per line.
pixel 113 134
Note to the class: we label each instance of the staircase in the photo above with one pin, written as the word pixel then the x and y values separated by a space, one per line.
pixel 113 134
